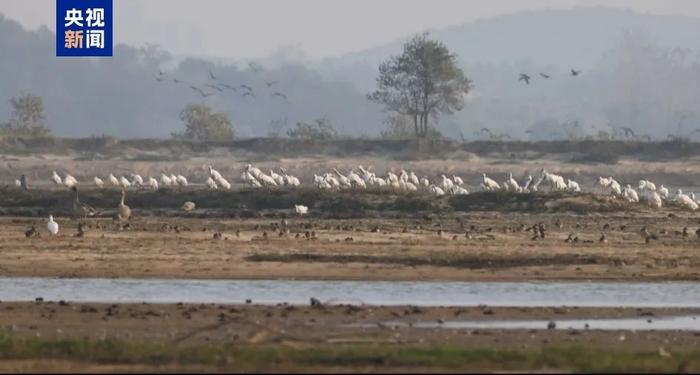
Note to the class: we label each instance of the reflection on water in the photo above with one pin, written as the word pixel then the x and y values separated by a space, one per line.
pixel 355 292
pixel 680 323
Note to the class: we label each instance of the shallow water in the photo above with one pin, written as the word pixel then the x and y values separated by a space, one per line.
pixel 679 323
pixel 598 294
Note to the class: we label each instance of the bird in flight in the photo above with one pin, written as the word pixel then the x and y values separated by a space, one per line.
pixel 575 73
pixel 215 87
pixel 226 85
pixel 280 95
pixel 544 75
pixel 211 75
pixel 246 87
pixel 201 92
pixel 248 94
pixel 270 83
pixel 524 77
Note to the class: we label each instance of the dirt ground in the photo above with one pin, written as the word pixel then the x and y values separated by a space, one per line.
pixel 459 247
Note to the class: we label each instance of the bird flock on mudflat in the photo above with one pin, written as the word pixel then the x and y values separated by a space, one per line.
pixel 403 181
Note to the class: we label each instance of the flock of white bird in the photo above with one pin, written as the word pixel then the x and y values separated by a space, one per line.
pixel 404 181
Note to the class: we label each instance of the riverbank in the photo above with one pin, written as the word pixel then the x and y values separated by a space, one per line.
pixel 87 337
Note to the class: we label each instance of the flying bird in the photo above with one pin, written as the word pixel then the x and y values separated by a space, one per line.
pixel 280 95
pixel 246 87
pixel 226 85
pixel 270 83
pixel 544 75
pixel 524 77
pixel 575 73
pixel 212 76
pixel 249 94
pixel 201 92
pixel 215 87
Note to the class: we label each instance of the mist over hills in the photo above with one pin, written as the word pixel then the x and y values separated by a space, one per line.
pixel 639 71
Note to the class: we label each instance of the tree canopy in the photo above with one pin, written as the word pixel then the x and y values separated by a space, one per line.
pixel 203 124
pixel 27 117
pixel 422 83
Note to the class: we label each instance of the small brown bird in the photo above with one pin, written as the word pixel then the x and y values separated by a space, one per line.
pixel 217 235
pixel 570 238
pixel 32 232
pixel 603 239
pixel 81 231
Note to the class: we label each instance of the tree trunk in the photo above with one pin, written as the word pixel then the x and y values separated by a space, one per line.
pixel 415 125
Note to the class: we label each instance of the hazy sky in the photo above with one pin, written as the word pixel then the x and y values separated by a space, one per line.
pixel 321 28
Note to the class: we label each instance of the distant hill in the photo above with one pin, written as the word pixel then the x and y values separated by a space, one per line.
pixel 640 72
pixel 557 38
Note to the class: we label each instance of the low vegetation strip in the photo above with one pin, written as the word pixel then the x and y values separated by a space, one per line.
pixel 472 262
pixel 232 357
pixel 322 203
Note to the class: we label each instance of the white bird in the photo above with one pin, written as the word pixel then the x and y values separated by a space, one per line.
pixel 301 209
pixel 654 199
pixel 99 183
pixel 630 194
pixel 70 181
pixel 663 191
pixel 488 184
pixel 279 179
pixel 573 186
pixel 136 179
pixel 223 183
pixel 413 178
pixel 124 182
pixel 512 184
pixel 266 180
pixel 18 183
pixel 181 180
pixel 437 190
pixel 211 183
pixel 526 184
pixel 52 226
pixel 344 181
pixel 165 180
pixel 173 178
pixel 686 201
pixel 56 178
pixel 424 182
pixel 153 183
pixel 446 183
pixel 356 180
pixel 113 180
pixel 214 173
pixel 458 180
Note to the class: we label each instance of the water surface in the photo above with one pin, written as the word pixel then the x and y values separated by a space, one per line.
pixel 584 294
